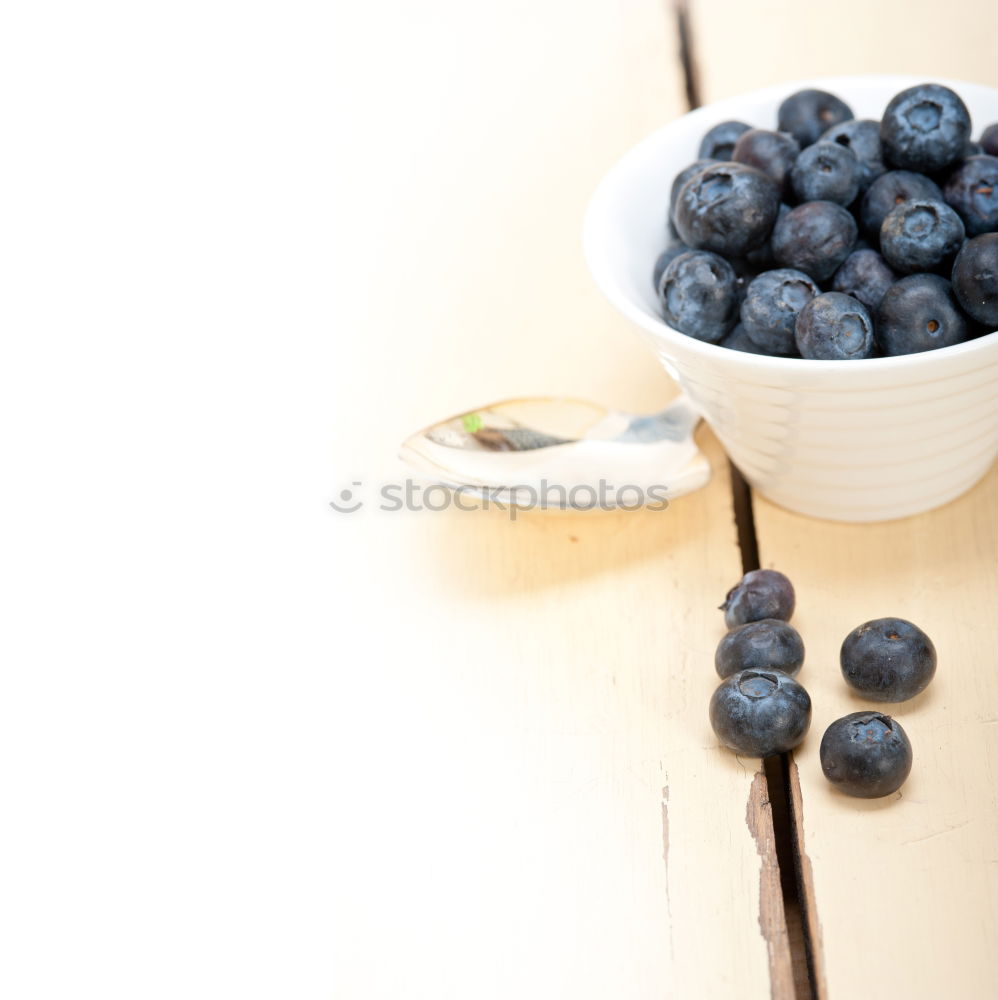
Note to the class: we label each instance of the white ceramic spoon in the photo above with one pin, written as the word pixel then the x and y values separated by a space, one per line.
pixel 564 454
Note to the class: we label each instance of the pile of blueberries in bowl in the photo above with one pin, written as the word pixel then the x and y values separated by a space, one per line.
pixel 834 238
pixel 760 708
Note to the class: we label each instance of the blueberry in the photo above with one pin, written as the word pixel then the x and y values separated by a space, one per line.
pixel 762 258
pixel 744 274
pixel 920 235
pixel 665 258
pixel 975 279
pixel 890 190
pixel 773 153
pixel 866 754
pixel 727 208
pixel 772 302
pixel 972 190
pixel 972 149
pixel 759 713
pixel 699 295
pixel 719 141
pixel 862 136
pixel 815 238
pixel 925 128
pixel 739 340
pixel 680 179
pixel 744 268
pixel 888 659
pixel 742 282
pixel 826 171
pixel 920 313
pixel 834 327
pixel 989 140
pixel 808 113
pixel 769 644
pixel 865 276
pixel 761 593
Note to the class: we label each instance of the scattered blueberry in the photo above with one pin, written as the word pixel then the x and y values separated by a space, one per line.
pixel 727 208
pixel 989 140
pixel 888 659
pixel 866 755
pixel 826 171
pixel 699 295
pixel 920 313
pixel 761 593
pixel 719 142
pixel 862 136
pixel 815 238
pixel 809 113
pixel 925 128
pixel 865 276
pixel 834 327
pixel 972 149
pixel 773 153
pixel 890 190
pixel 972 190
pixel 975 279
pixel 769 644
pixel 772 302
pixel 920 235
pixel 759 713
pixel 665 258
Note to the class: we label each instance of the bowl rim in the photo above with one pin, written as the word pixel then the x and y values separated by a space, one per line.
pixel 594 255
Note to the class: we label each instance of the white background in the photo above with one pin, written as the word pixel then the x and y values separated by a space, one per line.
pixel 168 388
pixel 229 238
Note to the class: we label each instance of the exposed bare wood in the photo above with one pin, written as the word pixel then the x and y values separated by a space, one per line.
pixel 772 919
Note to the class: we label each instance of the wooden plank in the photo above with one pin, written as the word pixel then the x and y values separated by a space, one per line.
pixel 905 887
pixel 904 892
pixel 537 804
pixel 742 46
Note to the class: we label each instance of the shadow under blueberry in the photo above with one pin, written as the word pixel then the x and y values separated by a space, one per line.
pixel 900 710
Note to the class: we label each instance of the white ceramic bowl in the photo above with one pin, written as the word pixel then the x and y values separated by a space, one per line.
pixel 846 440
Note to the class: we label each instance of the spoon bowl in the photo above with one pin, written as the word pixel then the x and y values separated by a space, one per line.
pixel 564 454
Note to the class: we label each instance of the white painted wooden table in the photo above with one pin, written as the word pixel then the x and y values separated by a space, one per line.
pixel 571 827
pixel 252 747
